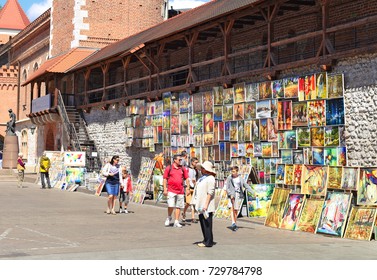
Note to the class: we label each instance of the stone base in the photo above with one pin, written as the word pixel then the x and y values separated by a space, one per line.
pixel 10 153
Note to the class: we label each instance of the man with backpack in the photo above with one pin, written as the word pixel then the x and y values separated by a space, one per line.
pixel 174 177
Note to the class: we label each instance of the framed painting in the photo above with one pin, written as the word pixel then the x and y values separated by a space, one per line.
pixel 241 131
pixel 274 108
pixel 310 214
pixel 233 130
pixel 331 156
pixel 259 201
pixel 197 123
pixel 335 85
pixel 222 210
pixel 174 122
pixel 228 94
pixel 360 223
pixel 197 103
pixel 277 89
pixel 198 140
pixel 335 111
pixel 239 93
pixel 257 150
pixel 321 85
pixel 221 131
pixel 216 133
pixel 218 113
pixel 263 109
pixel 222 151
pixel 331 136
pixel 282 144
pixel 228 112
pixel 275 149
pixel 334 213
pixel 272 130
pixel 166 97
pixel 275 211
pixel 217 95
pixel 285 115
pixel 234 150
pixel 184 124
pixel 289 177
pixel 298 157
pixel 207 101
pixel 292 211
pixel 174 107
pixel 297 173
pixel 241 150
pixel 251 92
pixel 314 179
pixel 249 150
pixel 265 91
pixel 263 132
pixel 207 122
pixel 250 110
pixel 166 120
pixel 227 131
pixel 303 137
pixel 307 87
pixel 239 111
pixel 266 149
pixel 299 114
pixel 335 177
pixel 317 136
pixel 286 156
pixel 255 134
pixel 367 186
pixel 316 113
pixel 342 156
pixel 350 177
pixel 184 101
pixel 74 159
pixel 308 156
pixel 290 87
pixel 159 107
pixel 290 139
pixel 248 131
pixel 166 137
pixel 208 139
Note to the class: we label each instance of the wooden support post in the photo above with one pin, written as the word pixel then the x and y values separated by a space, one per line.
pixel 86 77
pixel 191 40
pixel 226 31
pixel 126 63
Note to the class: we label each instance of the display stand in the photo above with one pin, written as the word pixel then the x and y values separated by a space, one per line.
pixel 144 180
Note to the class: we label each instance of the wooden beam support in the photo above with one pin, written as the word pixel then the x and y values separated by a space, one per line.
pixel 105 69
pixel 190 41
pixel 226 30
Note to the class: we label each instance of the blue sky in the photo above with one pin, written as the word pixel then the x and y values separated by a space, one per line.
pixel 34 8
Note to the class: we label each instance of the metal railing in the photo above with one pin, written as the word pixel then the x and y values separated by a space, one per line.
pixel 69 127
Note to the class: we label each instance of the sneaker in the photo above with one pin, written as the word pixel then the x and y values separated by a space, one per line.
pixel 177 224
pixel 235 227
pixel 167 222
pixel 120 211
pixel 125 212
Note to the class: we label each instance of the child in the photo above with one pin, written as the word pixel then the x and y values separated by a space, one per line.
pixel 125 191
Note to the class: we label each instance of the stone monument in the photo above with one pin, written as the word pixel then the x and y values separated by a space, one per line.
pixel 10 152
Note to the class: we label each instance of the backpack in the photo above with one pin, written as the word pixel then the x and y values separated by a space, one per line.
pixel 183 178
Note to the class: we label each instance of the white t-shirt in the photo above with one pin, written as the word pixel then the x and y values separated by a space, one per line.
pixel 237 184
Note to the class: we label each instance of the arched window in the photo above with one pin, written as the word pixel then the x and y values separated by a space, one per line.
pixel 35 68
pixel 24 75
pixel 24 146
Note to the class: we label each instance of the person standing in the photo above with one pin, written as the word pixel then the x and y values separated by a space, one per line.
pixel 203 199
pixel 112 173
pixel 174 175
pixel 44 167
pixel 125 191
pixel 193 178
pixel 235 185
pixel 20 169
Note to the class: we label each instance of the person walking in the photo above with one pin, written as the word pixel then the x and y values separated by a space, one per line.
pixel 20 169
pixel 193 178
pixel 44 168
pixel 235 185
pixel 204 201
pixel 125 191
pixel 174 175
pixel 112 172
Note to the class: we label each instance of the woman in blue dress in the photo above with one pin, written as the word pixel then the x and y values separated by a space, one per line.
pixel 112 172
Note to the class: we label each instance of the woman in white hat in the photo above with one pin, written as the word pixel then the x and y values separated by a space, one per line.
pixel 204 202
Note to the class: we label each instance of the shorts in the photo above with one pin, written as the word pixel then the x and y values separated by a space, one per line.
pixel 124 197
pixel 112 188
pixel 176 200
pixel 238 200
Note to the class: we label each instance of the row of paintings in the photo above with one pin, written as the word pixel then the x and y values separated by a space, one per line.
pixel 309 87
pixel 143 180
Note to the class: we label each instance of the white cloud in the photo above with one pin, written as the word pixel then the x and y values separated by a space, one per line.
pixel 38 8
pixel 184 4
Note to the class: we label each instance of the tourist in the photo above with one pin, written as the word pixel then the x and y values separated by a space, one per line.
pixel 193 174
pixel 234 187
pixel 204 201
pixel 174 175
pixel 44 167
pixel 20 169
pixel 112 172
pixel 125 191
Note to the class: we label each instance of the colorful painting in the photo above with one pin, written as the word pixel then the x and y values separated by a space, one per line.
pixel 184 101
pixel 250 110
pixel 217 95
pixel 255 128
pixel 367 189
pixel 317 136
pixel 334 213
pixel 197 101
pixel 314 179
pixel 239 93
pixel 289 177
pixel 316 113
pixel 265 91
pixel 223 209
pixel 303 137
pixel 263 132
pixel 307 88
pixel 335 111
pixel 197 123
pixel 360 223
pixel 350 178
pixel 299 114
pixel 174 122
pixel 291 87
pixel 266 149
pixel 239 111
pixel 331 156
pixel 321 85
pixel 290 139
pixel 318 156
pixel 227 131
pixel 331 136
pixel 275 211
pixel 278 89
pixel 248 130
pixel 233 131
pixel 174 107
pixel 342 156
pixel 218 113
pixel 298 157
pixel 228 94
pixel 310 214
pixel 74 175
pixel 286 156
pixel 272 130
pixel 74 159
pixel 285 115
pixel 222 150
pixel 208 122
pixel 274 108
pixel 335 85
pixel 335 177
pixel 207 101
pixel 257 150
pixel 241 131
pixel 228 112
pixel 292 211
pixel 263 109
pixel 166 97
pixel 249 150
pixel 259 201
pixel 184 124
pixel 252 91
pixel 280 173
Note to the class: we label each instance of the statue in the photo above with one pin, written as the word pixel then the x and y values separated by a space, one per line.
pixel 11 124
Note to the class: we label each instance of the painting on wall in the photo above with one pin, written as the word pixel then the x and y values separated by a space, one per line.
pixel 290 87
pixel 285 115
pixel 275 211
pixel 239 111
pixel 342 156
pixel 331 136
pixel 321 85
pixel 259 201
pixel 197 101
pixel 335 177
pixel 299 114
pixel 228 94
pixel 207 101
pixel 292 211
pixel 331 156
pixel 289 177
pixel 74 159
pixel 318 156
pixel 335 85
pixel 265 91
pixel 317 136
pixel 280 174
pixel 272 129
pixel 335 111
pixel 314 179
pixel 263 109
pixel 303 137
pixel 310 214
pixel 316 113
pixel 263 131
pixel 250 110
pixel 217 95
pixel 251 91
pixel 239 93
pixel 277 89
pixel 350 178
pixel 367 186
pixel 307 88
pixel 360 223
pixel 334 213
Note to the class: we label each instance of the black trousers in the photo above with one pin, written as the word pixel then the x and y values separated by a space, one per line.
pixel 206 225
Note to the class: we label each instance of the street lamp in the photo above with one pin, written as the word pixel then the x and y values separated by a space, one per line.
pixel 32 129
